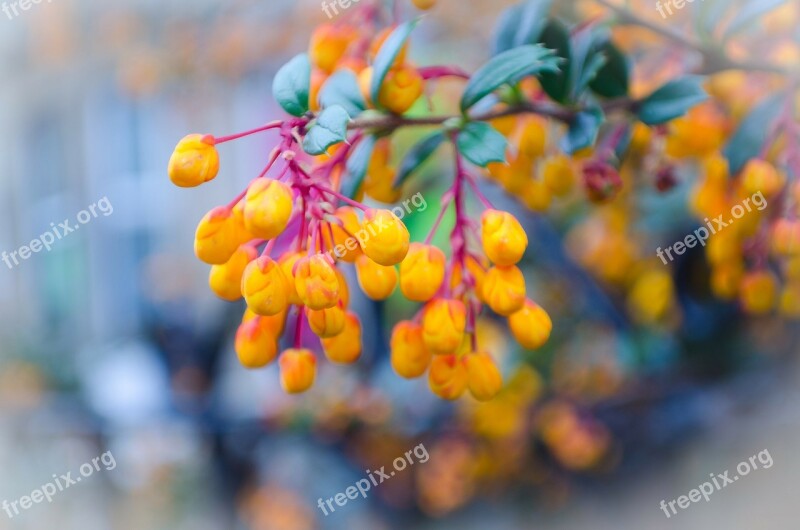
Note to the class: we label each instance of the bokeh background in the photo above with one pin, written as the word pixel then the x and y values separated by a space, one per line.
pixel 112 340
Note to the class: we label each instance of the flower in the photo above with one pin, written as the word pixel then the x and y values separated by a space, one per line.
pixel 256 341
pixel 194 161
pixel 531 325
pixel 422 272
pixel 328 322
pixel 346 346
pixel 385 239
pixel 400 89
pixel 504 240
pixel 287 262
pixel 504 289
pixel 268 207
pixel 265 287
pixel 316 281
pixel 447 377
pixel 298 368
pixel 409 356
pixel 443 325
pixel 329 42
pixel 226 280
pixel 758 292
pixel 483 378
pixel 377 281
pixel 215 239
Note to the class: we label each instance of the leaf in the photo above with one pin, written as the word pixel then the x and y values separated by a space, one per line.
pixel 746 143
pixel 582 130
pixel 329 129
pixel 612 81
pixel 508 67
pixel 416 156
pixel 481 144
pixel 291 85
pixel 672 100
pixel 357 165
pixel 556 84
pixel 520 24
pixel 342 89
pixel 748 13
pixel 585 62
pixel 387 55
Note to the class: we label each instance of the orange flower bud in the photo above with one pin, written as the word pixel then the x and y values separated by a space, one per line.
pixel 447 377
pixel 726 279
pixel 365 83
pixel 484 379
pixel 559 174
pixel 194 161
pixel 316 282
pixel 536 195
pixel 216 239
pixel 785 237
pixel 377 44
pixel 758 292
pixel 759 176
pixel 327 322
pixel 401 88
pixel 298 369
pixel 790 300
pixel 256 342
pixel 242 235
pixel 346 346
pixel 410 358
pixel 287 262
pixel 504 240
pixel 533 137
pixel 226 280
pixel 344 289
pixel 345 244
pixel 328 45
pixel 264 287
pixel 377 281
pixel 424 5
pixel 318 78
pixel 422 272
pixel 504 289
pixel 443 325
pixel 268 207
pixel 385 239
pixel 531 325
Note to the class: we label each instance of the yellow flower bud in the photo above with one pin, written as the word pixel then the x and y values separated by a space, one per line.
pixel 726 279
pixel 410 358
pixel 652 296
pixel 378 42
pixel 344 289
pixel 264 287
pixel 268 207
pixel 422 272
pixel 365 83
pixel 559 174
pixel 447 377
pixel 385 238
pixel 377 281
pixel 226 280
pixel 328 45
pixel 531 325
pixel 424 5
pixel 256 342
pixel 504 289
pixel 287 262
pixel 533 137
pixel 785 237
pixel 345 244
pixel 327 322
pixel 401 88
pixel 758 292
pixel 216 239
pixel 484 379
pixel 790 300
pixel 346 346
pixel 443 325
pixel 504 240
pixel 194 161
pixel 242 235
pixel 759 176
pixel 316 282
pixel 298 369
pixel 536 195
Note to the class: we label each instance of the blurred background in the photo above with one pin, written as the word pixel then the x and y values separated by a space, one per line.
pixel 112 341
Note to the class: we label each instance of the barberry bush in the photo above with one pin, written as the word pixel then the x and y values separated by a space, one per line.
pixel 587 116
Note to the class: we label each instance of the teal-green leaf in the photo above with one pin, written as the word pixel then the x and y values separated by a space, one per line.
pixel 672 100
pixel 612 81
pixel 342 89
pixel 556 84
pixel 357 165
pixel 508 67
pixel 481 144
pixel 387 55
pixel 330 128
pixel 520 24
pixel 582 131
pixel 746 143
pixel 416 156
pixel 292 85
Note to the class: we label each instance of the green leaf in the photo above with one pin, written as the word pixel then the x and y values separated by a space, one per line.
pixel 342 89
pixel 612 81
pixel 481 144
pixel 330 128
pixel 555 36
pixel 672 100
pixel 357 165
pixel 582 130
pixel 585 62
pixel 520 24
pixel 387 55
pixel 747 14
pixel 416 156
pixel 292 85
pixel 508 67
pixel 746 143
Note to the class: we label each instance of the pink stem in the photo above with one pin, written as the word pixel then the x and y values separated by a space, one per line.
pixel 271 125
pixel 437 72
pixel 346 200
